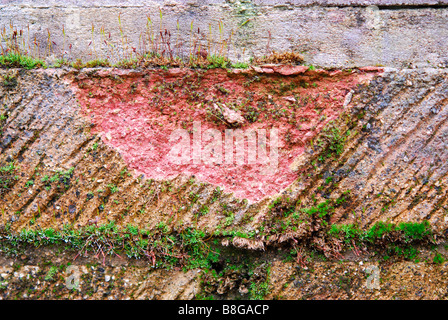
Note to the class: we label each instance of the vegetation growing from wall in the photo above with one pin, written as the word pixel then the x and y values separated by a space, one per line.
pixel 404 232
pixel 157 47
pixel 191 247
pixel 164 249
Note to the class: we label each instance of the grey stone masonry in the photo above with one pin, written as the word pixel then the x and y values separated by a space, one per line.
pixel 329 33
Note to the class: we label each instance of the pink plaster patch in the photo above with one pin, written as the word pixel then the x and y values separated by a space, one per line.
pixel 137 112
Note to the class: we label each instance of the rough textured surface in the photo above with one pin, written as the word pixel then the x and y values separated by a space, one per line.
pixel 387 148
pixel 138 112
pixel 118 279
pixel 329 33
pixel 393 161
pixel 68 159
pixel 28 278
pixel 395 157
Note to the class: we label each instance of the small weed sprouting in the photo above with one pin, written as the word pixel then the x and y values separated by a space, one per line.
pixel 113 188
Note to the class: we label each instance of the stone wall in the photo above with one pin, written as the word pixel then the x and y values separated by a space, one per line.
pixel 335 33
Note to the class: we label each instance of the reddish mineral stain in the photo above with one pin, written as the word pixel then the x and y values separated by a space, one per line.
pixel 136 112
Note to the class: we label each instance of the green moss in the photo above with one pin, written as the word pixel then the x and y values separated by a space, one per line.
pixel 201 256
pixel 204 210
pixel 410 231
pixel 335 143
pixel 322 209
pixel 15 60
pixel 414 230
pixel 186 248
pixel 408 252
pixel 240 65
pixel 217 62
pixel 258 290
pixel 348 232
pixel 438 258
pixel 7 175
pixel 51 273
pixel 378 230
pixel 9 81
